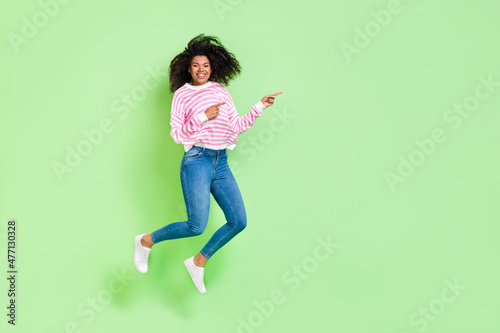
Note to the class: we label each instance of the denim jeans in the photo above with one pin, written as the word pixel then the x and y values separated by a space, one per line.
pixel 205 171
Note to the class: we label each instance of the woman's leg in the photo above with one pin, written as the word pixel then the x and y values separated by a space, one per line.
pixel 227 194
pixel 197 171
pixel 196 175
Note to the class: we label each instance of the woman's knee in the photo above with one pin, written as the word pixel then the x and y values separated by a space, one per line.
pixel 196 228
pixel 196 231
pixel 241 223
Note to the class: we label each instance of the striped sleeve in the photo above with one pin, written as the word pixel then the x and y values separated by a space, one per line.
pixel 182 128
pixel 238 123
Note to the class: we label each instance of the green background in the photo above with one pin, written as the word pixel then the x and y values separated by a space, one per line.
pixel 313 166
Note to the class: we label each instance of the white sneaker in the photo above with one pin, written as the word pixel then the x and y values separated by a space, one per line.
pixel 141 255
pixel 196 274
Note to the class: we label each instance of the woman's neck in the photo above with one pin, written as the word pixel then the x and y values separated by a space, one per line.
pixel 191 86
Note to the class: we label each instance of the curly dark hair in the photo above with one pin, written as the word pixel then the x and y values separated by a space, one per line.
pixel 223 63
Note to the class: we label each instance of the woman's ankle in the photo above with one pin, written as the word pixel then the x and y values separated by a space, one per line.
pixel 200 260
pixel 146 241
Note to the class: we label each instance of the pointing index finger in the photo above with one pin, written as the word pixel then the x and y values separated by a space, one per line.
pixel 220 103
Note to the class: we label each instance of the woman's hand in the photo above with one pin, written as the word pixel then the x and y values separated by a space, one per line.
pixel 213 111
pixel 268 100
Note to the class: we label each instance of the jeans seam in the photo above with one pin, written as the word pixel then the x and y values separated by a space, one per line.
pixel 205 255
pixel 183 176
pixel 235 218
pixel 215 166
pixel 173 229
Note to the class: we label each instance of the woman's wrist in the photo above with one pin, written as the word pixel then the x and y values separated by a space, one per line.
pixel 260 106
pixel 202 117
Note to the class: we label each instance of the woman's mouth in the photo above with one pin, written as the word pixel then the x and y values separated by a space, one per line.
pixel 201 76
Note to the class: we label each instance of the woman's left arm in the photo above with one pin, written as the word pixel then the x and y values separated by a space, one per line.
pixel 240 124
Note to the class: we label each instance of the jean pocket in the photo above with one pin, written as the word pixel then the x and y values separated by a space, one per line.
pixel 192 153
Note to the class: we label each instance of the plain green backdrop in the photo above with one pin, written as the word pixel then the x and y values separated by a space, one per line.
pixel 371 186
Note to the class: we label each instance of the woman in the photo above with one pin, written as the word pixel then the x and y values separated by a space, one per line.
pixel 205 121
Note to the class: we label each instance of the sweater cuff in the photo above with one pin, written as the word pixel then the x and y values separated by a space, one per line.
pixel 202 117
pixel 260 106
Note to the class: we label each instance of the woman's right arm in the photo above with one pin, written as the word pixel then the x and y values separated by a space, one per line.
pixel 182 129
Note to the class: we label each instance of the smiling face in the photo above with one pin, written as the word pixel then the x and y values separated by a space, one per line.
pixel 200 70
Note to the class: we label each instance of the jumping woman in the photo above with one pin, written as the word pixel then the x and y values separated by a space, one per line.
pixel 204 119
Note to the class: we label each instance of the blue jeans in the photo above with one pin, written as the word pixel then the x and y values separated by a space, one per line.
pixel 205 171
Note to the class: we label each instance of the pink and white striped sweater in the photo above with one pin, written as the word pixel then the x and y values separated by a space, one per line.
pixel 190 125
